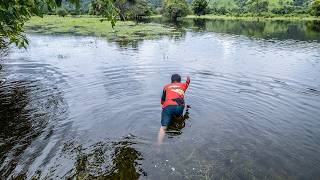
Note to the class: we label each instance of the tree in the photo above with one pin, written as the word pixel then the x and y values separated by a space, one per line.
pixel 257 6
pixel 13 15
pixel 62 12
pixel 173 9
pixel 199 7
pixel 132 9
pixel 140 9
pixel 123 7
pixel 315 8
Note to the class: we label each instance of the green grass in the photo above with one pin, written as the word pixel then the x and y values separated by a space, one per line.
pixel 92 26
pixel 253 18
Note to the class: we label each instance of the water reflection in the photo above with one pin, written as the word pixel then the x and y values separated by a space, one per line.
pixel 254 108
pixel 282 30
pixel 314 26
pixel 24 116
pixel 178 123
pixel 261 29
pixel 3 54
pixel 124 44
pixel 15 124
pixel 108 160
pixel 125 161
pixel 200 24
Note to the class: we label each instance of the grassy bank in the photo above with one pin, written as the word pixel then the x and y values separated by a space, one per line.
pixel 90 25
pixel 254 18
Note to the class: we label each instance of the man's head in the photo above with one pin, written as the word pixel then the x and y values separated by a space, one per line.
pixel 175 78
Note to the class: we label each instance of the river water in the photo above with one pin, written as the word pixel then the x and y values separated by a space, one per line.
pixel 83 107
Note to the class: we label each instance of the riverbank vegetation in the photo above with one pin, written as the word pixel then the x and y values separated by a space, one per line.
pixel 14 14
pixel 253 18
pixel 278 9
pixel 91 25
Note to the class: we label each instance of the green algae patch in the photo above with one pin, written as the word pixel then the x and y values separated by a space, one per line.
pixel 93 26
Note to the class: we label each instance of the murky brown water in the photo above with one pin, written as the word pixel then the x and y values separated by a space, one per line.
pixel 82 107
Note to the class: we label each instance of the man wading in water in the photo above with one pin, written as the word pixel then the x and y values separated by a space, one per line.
pixel 172 103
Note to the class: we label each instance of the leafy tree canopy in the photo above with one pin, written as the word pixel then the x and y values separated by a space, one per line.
pixel 199 7
pixel 251 5
pixel 173 9
pixel 315 8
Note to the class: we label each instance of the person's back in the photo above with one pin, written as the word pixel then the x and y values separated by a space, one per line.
pixel 172 102
pixel 173 94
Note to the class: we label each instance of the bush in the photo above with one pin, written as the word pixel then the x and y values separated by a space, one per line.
pixel 283 10
pixel 139 10
pixel 173 9
pixel 199 7
pixel 258 6
pixel 62 12
pixel 315 8
pixel 267 15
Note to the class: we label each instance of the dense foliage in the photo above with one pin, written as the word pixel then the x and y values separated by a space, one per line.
pixel 132 9
pixel 259 6
pixel 140 9
pixel 199 7
pixel 123 9
pixel 62 12
pixel 13 15
pixel 173 9
pixel 315 8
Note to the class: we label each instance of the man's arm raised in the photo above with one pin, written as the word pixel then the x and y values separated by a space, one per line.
pixel 186 85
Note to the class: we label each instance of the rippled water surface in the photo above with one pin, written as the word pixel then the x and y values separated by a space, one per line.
pixel 82 107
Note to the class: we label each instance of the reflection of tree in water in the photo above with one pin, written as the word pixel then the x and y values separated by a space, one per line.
pixel 134 44
pixel 3 53
pixel 15 123
pixel 200 23
pixel 125 161
pixel 125 44
pixel 23 117
pixel 314 26
pixel 261 29
pixel 115 160
pixel 178 123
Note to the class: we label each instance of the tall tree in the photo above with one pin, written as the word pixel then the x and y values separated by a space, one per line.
pixel 257 6
pixel 123 6
pixel 199 7
pixel 173 9
pixel 140 9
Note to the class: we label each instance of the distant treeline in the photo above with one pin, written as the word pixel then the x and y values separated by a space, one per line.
pixel 259 6
pixel 13 14
pixel 219 7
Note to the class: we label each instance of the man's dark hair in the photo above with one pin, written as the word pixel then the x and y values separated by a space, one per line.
pixel 176 77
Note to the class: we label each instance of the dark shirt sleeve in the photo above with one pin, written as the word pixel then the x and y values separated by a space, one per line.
pixel 163 98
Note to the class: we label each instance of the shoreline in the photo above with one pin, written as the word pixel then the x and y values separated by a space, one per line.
pixel 253 18
pixel 249 18
pixel 92 26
